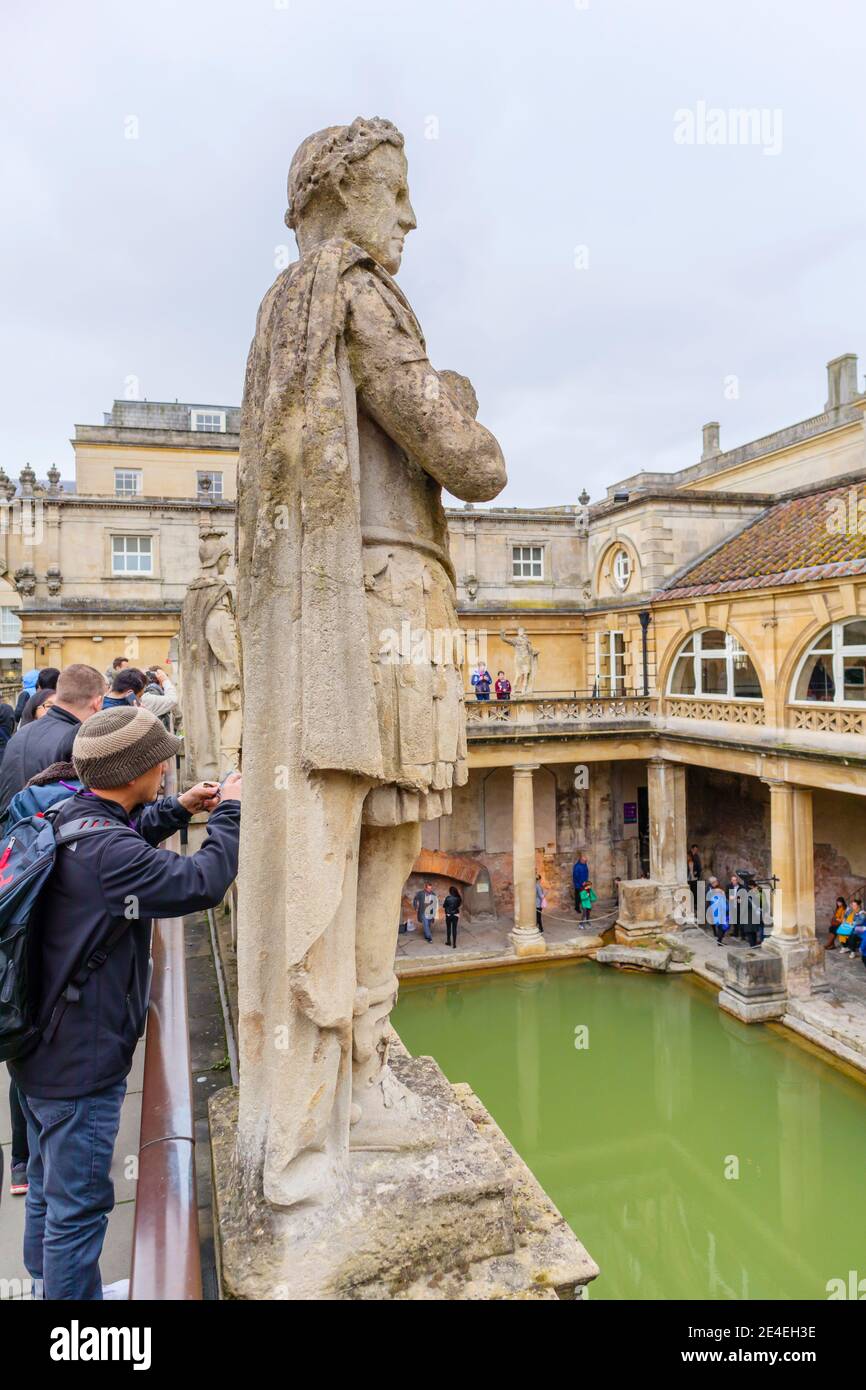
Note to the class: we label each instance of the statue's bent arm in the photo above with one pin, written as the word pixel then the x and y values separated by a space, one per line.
pixel 408 399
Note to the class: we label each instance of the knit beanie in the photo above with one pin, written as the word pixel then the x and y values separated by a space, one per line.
pixel 118 745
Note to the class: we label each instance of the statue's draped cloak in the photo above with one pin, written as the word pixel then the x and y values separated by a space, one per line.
pixel 310 707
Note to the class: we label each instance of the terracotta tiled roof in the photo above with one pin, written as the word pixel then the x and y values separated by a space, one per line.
pixel 790 543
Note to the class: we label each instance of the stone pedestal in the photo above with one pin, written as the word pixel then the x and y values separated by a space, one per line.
pixel 647 908
pixel 462 1219
pixel 802 961
pixel 754 987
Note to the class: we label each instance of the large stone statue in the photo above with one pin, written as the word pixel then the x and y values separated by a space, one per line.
pixel 525 661
pixel 348 436
pixel 209 667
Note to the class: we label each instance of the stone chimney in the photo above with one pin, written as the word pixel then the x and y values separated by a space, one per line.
pixel 841 380
pixel 711 440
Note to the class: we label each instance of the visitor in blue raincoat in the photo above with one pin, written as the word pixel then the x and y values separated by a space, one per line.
pixel 717 910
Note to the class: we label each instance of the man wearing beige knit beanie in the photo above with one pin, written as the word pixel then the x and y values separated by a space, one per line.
pixel 93 930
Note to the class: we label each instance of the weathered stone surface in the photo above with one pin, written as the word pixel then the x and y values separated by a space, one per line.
pixel 641 957
pixel 647 908
pixel 465 1219
pixel 679 948
pixel 354 728
pixel 754 973
pixel 803 964
pixel 754 989
pixel 752 1010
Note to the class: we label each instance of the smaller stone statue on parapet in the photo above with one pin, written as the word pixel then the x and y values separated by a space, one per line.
pixel 210 666
pixel 525 662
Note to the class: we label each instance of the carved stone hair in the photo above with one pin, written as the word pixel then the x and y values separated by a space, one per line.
pixel 324 157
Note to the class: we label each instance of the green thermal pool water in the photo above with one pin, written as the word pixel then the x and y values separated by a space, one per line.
pixel 636 1136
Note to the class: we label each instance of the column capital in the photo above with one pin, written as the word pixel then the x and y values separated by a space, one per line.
pixel 526 769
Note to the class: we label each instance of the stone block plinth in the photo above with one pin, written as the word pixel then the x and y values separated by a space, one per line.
pixel 647 908
pixel 754 987
pixel 803 967
pixel 635 957
pixel 462 1218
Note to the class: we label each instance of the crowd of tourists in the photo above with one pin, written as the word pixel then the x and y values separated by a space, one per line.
pixel 81 879
pixel 847 930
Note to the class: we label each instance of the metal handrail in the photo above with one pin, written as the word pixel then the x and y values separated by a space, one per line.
pixel 166 1254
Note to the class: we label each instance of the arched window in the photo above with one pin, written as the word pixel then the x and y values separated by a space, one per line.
pixel 621 568
pixel 712 664
pixel 833 671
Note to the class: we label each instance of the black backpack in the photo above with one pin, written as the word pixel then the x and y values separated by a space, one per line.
pixel 27 858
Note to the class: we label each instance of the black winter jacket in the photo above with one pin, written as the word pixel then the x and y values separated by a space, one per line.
pixel 110 877
pixel 39 744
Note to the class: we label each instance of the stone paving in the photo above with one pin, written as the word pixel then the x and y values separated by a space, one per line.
pixel 487 943
pixel 835 1020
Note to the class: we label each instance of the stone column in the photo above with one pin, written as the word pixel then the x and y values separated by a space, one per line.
pixel 792 853
pixel 666 789
pixel 804 861
pixel 783 860
pixel 663 902
pixel 526 938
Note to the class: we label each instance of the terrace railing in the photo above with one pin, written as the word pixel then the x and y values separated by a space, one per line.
pixel 166 1257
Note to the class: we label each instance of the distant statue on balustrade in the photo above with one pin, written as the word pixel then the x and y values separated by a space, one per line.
pixel 525 662
pixel 210 667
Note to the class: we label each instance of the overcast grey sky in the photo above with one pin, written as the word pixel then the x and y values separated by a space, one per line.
pixel 607 287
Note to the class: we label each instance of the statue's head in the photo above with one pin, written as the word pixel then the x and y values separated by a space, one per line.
pixel 351 181
pixel 214 551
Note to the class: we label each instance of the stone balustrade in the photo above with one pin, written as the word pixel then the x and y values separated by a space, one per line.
pixel 750 712
pixel 827 719
pixel 551 713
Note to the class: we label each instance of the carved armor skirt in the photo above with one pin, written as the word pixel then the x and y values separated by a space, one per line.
pixel 416 655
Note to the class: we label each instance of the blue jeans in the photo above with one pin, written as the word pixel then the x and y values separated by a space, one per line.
pixel 427 923
pixel 70 1193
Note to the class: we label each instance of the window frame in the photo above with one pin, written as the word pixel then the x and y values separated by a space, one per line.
pixel 732 648
pixel 127 573
pixel 215 474
pixel 615 677
pixel 834 648
pixel 135 473
pixel 621 553
pixel 530 547
pixel 199 412
pixel 6 610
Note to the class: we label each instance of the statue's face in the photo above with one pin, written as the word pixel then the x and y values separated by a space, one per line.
pixel 222 564
pixel 378 211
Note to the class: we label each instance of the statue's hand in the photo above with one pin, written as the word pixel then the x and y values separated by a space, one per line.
pixel 461 390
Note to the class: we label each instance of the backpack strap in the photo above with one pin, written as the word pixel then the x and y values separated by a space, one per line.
pixel 80 829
